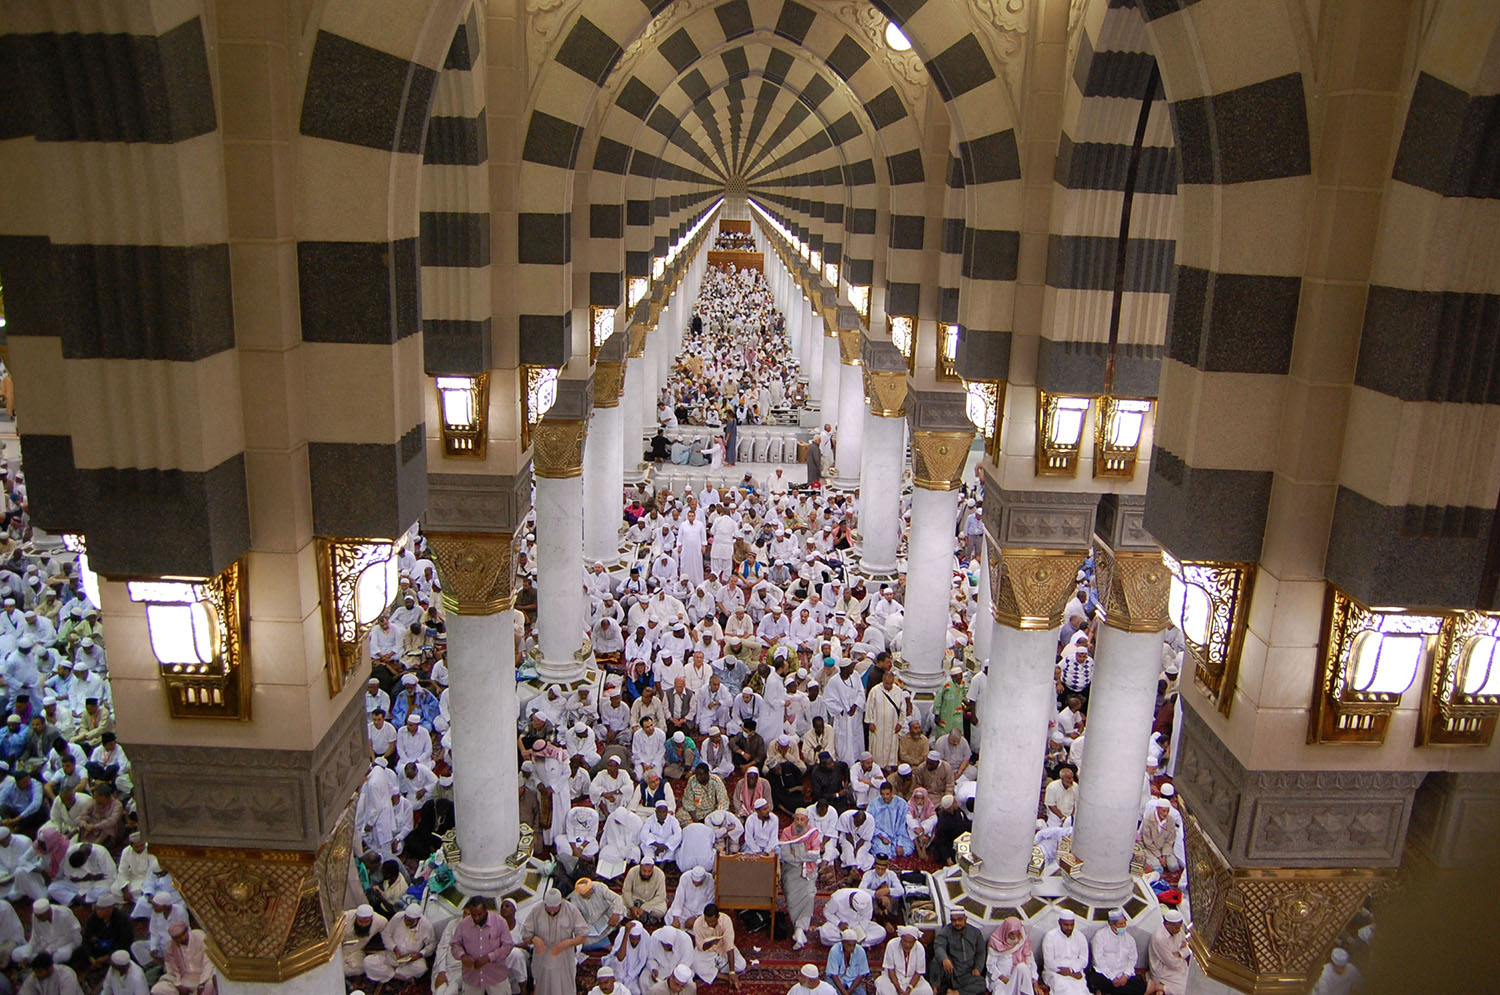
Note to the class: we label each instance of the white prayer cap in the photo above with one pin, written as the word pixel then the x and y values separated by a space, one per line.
pixel 409 679
pixel 948 802
pixel 1116 915
pixel 699 875
pixel 41 905
pixel 784 740
pixel 382 762
pixel 957 911
pixel 1041 823
pixel 372 683
pixel 49 700
pixel 1340 956
pixel 682 973
pixel 809 972
pixel 956 671
pixel 661 803
pixel 412 718
pixel 904 769
pixel 1066 915
pixel 413 910
pixel 604 972
pixel 553 898
pixel 648 861
pixel 761 803
pixel 1367 932
pixel 1167 791
pixel 26 642
pixel 909 930
pixel 613 758
pixel 10 602
pixel 120 958
pixel 849 934
pixel 527 767
pixel 715 731
pixel 162 900
pixel 13 717
pixel 1171 915
pixel 106 901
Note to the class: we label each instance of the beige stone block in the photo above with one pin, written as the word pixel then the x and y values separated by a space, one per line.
pixel 395 26
pixel 1312 426
pixel 277 489
pixel 1330 321
pixel 1354 220
pixel 1297 622
pixel 338 183
pixel 1459 40
pixel 1251 675
pixel 1241 430
pixel 264 20
pixel 250 85
pixel 337 374
pixel 1048 65
pixel 258 194
pixel 277 596
pixel 272 388
pixel 1373 128
pixel 1408 220
pixel 279 653
pixel 1298 518
pixel 41 383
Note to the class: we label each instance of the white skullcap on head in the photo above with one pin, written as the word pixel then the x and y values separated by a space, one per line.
pixel 678 737
pixel 1066 915
pixel 605 972
pixel 698 875
pixel 761 803
pixel 809 972
pixel 715 731
pixel 1171 915
pixel 648 861
pixel 1116 915
pixel 580 727
pixel 849 935
pixel 957 911
pixel 413 910
pixel 40 905
pixel 682 973
pixel 784 740
pixel 412 718
pixel 409 679
pixel 1340 956
pixel 903 769
pixel 372 682
pixel 662 803
pixel 120 958
pixel 1167 791
pixel 553 898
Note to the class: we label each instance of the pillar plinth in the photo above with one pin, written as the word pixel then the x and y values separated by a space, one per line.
pixel 557 463
pixel 478 571
pixel 1029 588
pixel 1133 587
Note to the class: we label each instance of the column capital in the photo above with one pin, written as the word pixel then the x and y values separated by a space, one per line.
pixel 269 915
pixel 1029 587
pixel 609 383
pixel 1269 930
pixel 885 391
pixel 477 570
pixel 557 449
pixel 938 458
pixel 1133 588
pixel 637 346
pixel 849 346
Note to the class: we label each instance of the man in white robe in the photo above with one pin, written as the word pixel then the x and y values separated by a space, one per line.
pixel 887 708
pixel 903 969
pixel 855 834
pixel 671 948
pixel 695 890
pixel 1065 957
pixel 409 941
pixel 762 830
pixel 620 845
pixel 610 787
pixel 661 834
pixel 691 538
pixel 853 909
pixel 846 701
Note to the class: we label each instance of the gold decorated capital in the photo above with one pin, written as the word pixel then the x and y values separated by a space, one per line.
pixel 1030 587
pixel 269 915
pixel 557 449
pixel 850 340
pixel 938 459
pixel 830 322
pixel 885 390
pixel 609 384
pixel 1133 588
pixel 1269 930
pixel 477 570
pixel 637 347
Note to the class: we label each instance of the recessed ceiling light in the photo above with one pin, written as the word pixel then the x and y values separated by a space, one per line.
pixel 895 39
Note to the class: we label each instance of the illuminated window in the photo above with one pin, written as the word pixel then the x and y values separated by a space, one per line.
pixel 982 402
pixel 860 298
pixel 602 325
pixel 196 628
pixel 636 288
pixel 904 334
pixel 831 273
pixel 1059 423
pixel 1117 436
pixel 463 404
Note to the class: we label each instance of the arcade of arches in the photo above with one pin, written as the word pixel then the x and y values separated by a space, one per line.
pixel 1139 349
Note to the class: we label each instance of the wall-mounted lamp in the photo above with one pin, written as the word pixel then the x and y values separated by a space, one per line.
pixel 1119 424
pixel 860 298
pixel 358 579
pixel 537 397
pixel 1059 433
pixel 601 327
pixel 1368 659
pixel 831 273
pixel 635 290
pixel 904 337
pixel 463 406
pixel 199 630
pixel 983 401
pixel 1461 697
pixel 658 266
pixel 947 364
pixel 1209 602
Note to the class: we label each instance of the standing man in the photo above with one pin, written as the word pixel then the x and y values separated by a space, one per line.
pixel 554 931
pixel 482 945
pixel 886 708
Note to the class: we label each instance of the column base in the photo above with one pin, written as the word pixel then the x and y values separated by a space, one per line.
pixel 493 882
pixel 879 573
pixel 566 677
pixel 635 474
pixel 952 887
pixel 1086 889
pixel 841 483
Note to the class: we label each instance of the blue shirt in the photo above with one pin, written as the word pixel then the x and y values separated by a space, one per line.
pixel 858 965
pixel 13 799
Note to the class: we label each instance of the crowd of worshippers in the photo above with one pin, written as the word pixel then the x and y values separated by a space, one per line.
pixel 100 914
pixel 735 241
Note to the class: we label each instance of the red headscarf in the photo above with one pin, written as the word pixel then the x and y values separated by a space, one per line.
pixel 925 810
pixel 1010 938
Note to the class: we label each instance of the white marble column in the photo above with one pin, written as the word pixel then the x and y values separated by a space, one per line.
pixel 929 583
pixel 1017 704
pixel 813 363
pixel 882 467
pixel 633 423
pixel 482 679
pixel 650 381
pixel 984 629
pixel 604 480
pixel 1122 700
pixel 850 456
pixel 832 384
pixel 561 607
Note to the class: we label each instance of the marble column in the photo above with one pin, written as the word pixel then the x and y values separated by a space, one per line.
pixel 562 609
pixel 632 409
pixel 604 464
pixel 650 381
pixel 1030 588
pixel 883 462
pixel 938 464
pixel 1133 587
pixel 478 594
pixel 325 979
pixel 851 439
pixel 832 383
pixel 813 362
pixel 984 630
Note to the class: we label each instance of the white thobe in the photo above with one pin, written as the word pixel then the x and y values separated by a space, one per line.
pixel 660 838
pixel 1065 951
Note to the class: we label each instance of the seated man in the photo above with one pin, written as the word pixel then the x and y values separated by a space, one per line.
pixel 644 892
pixel 661 834
pixel 704 794
pixel 187 969
pixel 885 885
pixel 695 890
pixel 409 941
pixel 1114 955
pixel 601 909
pixel 904 966
pixel 850 909
pixel 848 968
pixel 958 957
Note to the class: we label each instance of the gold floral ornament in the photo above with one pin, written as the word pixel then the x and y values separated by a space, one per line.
pixel 938 458
pixel 1029 587
pixel 477 570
